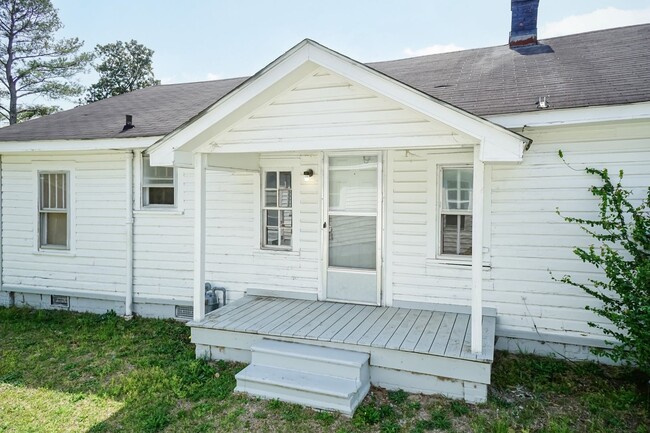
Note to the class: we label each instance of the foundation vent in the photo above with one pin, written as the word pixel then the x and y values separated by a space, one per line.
pixel 60 301
pixel 184 312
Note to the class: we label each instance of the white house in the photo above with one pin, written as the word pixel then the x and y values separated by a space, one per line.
pixel 338 204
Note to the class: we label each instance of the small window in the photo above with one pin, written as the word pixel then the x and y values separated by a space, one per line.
pixel 456 212
pixel 157 184
pixel 53 210
pixel 277 215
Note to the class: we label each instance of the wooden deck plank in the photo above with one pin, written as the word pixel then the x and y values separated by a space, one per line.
pixel 402 330
pixel 429 333
pixel 249 308
pixel 411 330
pixel 372 333
pixel 230 308
pixel 444 332
pixel 466 352
pixel 457 336
pixel 353 324
pixel 295 318
pixel 312 317
pixel 385 335
pixel 489 329
pixel 414 334
pixel 340 324
pixel 330 321
pixel 251 320
pixel 364 326
pixel 278 317
pixel 335 306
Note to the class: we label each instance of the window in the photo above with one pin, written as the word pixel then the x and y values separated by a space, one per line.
pixel 456 211
pixel 53 210
pixel 277 215
pixel 157 184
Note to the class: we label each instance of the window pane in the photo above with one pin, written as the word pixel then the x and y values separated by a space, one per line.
pixel 272 218
pixel 353 242
pixel 287 219
pixel 285 179
pixel 45 191
pixel 457 188
pixel 457 235
pixel 160 196
pixel 271 198
pixel 284 199
pixel 60 191
pixel 271 179
pixel 353 190
pixel 271 236
pixel 286 237
pixel 156 175
pixel 54 229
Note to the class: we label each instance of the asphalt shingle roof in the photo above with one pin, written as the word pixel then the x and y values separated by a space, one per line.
pixel 606 67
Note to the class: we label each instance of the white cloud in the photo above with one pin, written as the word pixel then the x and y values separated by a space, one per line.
pixel 596 20
pixel 433 49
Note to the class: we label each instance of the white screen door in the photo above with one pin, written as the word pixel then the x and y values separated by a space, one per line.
pixel 352 228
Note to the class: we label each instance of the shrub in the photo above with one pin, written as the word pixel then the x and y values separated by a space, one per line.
pixel 622 253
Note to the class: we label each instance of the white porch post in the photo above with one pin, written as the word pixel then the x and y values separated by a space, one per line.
pixel 477 252
pixel 199 235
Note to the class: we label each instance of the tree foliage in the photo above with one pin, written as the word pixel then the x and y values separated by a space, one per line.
pixel 33 61
pixel 122 67
pixel 622 232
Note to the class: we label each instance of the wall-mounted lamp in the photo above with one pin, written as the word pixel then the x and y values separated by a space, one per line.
pixel 308 174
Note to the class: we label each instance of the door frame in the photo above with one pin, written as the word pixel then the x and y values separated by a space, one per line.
pixel 324 190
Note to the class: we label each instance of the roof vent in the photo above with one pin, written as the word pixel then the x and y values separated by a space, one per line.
pixel 129 123
pixel 523 31
pixel 542 103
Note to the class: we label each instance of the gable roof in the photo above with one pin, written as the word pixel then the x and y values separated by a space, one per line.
pixel 607 67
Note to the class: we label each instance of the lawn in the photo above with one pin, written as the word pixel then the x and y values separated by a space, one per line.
pixel 67 372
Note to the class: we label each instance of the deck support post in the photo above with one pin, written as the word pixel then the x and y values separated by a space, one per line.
pixel 477 252
pixel 200 162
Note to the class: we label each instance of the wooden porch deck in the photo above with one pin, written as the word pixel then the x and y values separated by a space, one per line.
pixel 438 333
pixel 417 350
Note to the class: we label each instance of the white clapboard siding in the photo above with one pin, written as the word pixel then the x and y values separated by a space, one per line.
pixel 327 108
pixel 163 245
pixel 529 240
pixel 98 192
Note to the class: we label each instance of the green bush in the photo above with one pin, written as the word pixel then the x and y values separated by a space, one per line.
pixel 622 253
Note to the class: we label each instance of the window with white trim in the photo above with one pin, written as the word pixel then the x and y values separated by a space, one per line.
pixel 53 209
pixel 456 211
pixel 158 185
pixel 277 213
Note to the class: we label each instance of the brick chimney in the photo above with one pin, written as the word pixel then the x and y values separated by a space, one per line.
pixel 524 23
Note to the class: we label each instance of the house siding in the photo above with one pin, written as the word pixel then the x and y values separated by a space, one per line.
pixel 97 258
pixel 530 242
pixel 525 238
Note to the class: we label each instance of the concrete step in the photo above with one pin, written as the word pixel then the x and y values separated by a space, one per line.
pixel 319 377
pixel 312 359
pixel 314 390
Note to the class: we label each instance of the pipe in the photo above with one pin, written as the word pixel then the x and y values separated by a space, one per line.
pixel 222 290
pixel 12 296
pixel 128 291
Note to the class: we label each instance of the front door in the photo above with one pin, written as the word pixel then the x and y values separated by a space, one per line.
pixel 353 236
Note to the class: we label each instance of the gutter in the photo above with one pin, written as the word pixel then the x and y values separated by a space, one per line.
pixel 128 290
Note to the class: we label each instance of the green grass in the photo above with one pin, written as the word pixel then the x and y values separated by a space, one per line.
pixel 67 372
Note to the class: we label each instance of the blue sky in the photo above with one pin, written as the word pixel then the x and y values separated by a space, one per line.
pixel 200 40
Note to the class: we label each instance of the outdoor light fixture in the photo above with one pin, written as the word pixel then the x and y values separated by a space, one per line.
pixel 308 174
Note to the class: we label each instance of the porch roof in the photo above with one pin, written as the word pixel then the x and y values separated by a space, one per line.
pixel 197 134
